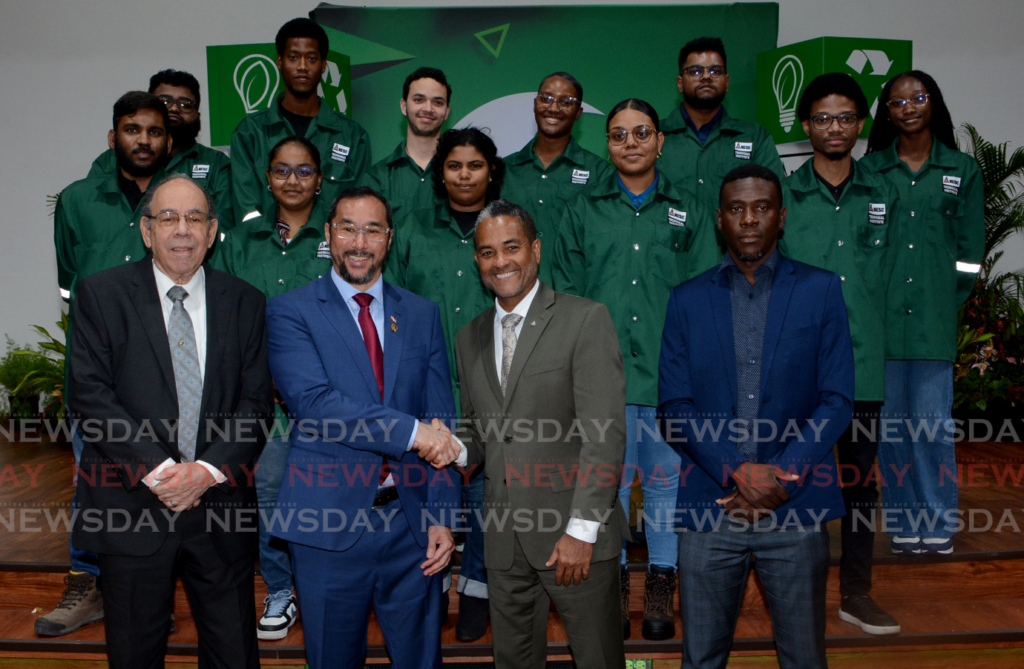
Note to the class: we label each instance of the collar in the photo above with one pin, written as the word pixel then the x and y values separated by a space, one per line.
pixel 770 263
pixel 348 291
pixel 675 122
pixel 265 227
pixel 638 200
pixel 662 188
pixel 574 153
pixel 520 309
pixel 401 155
pixel 189 152
pixel 325 118
pixel 805 180
pixel 942 156
pixel 707 127
pixel 195 287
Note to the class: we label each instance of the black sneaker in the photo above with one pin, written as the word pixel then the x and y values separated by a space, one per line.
pixel 862 611
pixel 472 624
pixel 279 614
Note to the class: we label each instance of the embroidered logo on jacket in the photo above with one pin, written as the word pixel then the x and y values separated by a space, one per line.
pixel 580 176
pixel 340 153
pixel 676 217
pixel 950 184
pixel 744 149
pixel 200 171
pixel 876 213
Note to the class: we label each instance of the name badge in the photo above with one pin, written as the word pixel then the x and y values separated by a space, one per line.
pixel 951 185
pixel 580 176
pixel 676 217
pixel 200 171
pixel 876 213
pixel 340 153
pixel 324 251
pixel 744 149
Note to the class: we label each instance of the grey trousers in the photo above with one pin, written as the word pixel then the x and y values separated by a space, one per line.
pixel 519 601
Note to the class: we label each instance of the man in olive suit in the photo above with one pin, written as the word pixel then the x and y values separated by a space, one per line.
pixel 543 403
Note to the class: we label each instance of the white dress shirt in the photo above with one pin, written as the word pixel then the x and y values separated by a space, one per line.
pixel 195 306
pixel 584 530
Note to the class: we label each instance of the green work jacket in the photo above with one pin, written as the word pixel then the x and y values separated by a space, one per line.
pixel 403 184
pixel 208 167
pixel 630 261
pixel 431 257
pixel 732 142
pixel 546 192
pixel 855 238
pixel 942 245
pixel 343 145
pixel 255 253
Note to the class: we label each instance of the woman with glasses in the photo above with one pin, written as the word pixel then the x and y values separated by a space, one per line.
pixel 627 243
pixel 432 255
pixel 942 246
pixel 279 251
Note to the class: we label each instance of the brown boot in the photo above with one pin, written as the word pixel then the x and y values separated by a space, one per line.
pixel 81 603
pixel 624 600
pixel 659 623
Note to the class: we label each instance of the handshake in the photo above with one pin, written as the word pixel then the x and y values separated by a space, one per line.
pixel 435 444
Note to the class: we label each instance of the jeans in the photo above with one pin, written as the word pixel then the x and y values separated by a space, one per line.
pixel 275 562
pixel 472 574
pixel 857 453
pixel 657 465
pixel 81 561
pixel 713 570
pixel 916 451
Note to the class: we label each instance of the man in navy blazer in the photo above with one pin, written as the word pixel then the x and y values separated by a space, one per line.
pixel 756 385
pixel 360 363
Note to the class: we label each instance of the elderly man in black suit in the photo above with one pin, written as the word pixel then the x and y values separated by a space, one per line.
pixel 171 383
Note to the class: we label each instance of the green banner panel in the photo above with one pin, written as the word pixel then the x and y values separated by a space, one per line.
pixel 244 79
pixel 783 73
pixel 495 57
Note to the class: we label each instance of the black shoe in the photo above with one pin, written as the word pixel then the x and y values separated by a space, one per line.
pixel 445 602
pixel 862 611
pixel 472 618
pixel 659 622
pixel 624 601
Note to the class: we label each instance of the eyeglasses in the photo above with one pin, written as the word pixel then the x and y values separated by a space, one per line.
pixel 195 220
pixel 697 71
pixel 642 133
pixel 915 101
pixel 824 121
pixel 184 104
pixel 375 234
pixel 303 172
pixel 544 100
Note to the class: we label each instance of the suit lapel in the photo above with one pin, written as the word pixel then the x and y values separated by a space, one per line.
pixel 218 310
pixel 537 318
pixel 147 303
pixel 721 307
pixel 487 344
pixel 394 339
pixel 778 304
pixel 338 315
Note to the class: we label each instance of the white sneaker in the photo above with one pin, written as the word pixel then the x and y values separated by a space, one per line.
pixel 279 614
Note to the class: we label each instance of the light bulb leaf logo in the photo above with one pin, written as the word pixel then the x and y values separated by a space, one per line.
pixel 256 78
pixel 787 80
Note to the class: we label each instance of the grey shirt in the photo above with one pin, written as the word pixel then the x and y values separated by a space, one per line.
pixel 749 314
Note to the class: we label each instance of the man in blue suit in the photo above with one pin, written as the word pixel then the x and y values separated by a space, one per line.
pixel 360 363
pixel 756 385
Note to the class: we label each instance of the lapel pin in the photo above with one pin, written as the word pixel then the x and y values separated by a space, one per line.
pixel 532 323
pixel 394 324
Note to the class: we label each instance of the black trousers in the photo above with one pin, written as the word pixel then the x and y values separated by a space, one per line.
pixel 138 598
pixel 857 453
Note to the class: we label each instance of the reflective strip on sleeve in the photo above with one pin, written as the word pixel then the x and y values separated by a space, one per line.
pixel 967 267
pixel 66 294
pixel 251 215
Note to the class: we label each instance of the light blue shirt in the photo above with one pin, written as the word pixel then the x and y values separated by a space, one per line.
pixel 348 293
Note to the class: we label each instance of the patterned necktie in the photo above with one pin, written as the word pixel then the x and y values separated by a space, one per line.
pixel 372 341
pixel 508 345
pixel 185 360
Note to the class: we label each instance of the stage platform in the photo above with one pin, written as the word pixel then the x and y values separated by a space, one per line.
pixel 970 600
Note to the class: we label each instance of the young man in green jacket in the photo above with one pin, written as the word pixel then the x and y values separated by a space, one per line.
pixel 96 227
pixel 403 178
pixel 211 168
pixel 702 142
pixel 553 168
pixel 844 218
pixel 345 146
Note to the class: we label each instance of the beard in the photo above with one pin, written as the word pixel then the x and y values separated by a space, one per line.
pixel 419 132
pixel 698 102
pixel 128 164
pixel 184 134
pixel 358 279
pixel 753 257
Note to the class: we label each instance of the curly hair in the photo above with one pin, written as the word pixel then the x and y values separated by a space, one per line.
pixel 481 142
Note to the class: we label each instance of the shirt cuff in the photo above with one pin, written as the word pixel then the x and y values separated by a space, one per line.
pixel 150 479
pixel 584 530
pixel 464 458
pixel 412 437
pixel 218 475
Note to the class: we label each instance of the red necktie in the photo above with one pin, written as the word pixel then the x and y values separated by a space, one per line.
pixel 372 342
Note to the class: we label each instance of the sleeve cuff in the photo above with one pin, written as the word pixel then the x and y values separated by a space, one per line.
pixel 463 459
pixel 217 475
pixel 150 479
pixel 412 437
pixel 584 530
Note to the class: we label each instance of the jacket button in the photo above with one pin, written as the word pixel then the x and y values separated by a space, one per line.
pixel 634 354
pixel 508 439
pixel 910 311
pixel 457 385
